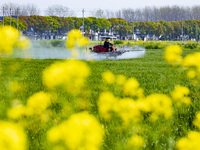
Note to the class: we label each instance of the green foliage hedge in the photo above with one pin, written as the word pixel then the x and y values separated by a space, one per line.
pixel 145 44
pixel 58 43
pixel 48 43
pixel 118 42
pixel 163 44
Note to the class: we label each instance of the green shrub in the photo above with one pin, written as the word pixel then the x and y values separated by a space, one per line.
pixel 58 43
pixel 190 45
pixel 153 45
pixel 118 42
pixel 41 43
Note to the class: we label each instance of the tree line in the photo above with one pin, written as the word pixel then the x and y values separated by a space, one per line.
pixel 166 13
pixel 12 9
pixel 53 25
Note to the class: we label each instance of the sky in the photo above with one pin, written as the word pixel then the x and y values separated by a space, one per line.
pixel 91 5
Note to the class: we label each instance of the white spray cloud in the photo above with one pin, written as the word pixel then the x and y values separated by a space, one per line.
pixel 62 53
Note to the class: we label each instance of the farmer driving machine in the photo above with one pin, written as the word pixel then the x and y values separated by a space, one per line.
pixel 111 51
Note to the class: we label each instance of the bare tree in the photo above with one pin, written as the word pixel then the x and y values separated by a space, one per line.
pixel 27 10
pixel 128 14
pixel 60 11
pixel 9 9
pixel 138 15
pixel 32 9
pixel 99 13
pixel 166 13
pixel 118 14
pixel 15 9
pixel 109 14
pixel 195 11
pixel 147 14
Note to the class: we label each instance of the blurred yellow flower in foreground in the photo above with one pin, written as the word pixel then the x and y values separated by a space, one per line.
pixel 121 79
pixel 36 105
pixel 106 104
pixel 135 142
pixel 71 74
pixel 108 77
pixel 190 142
pixel 159 104
pixel 131 87
pixel 23 43
pixel 191 62
pixel 83 41
pixel 127 109
pixel 80 131
pixel 179 95
pixel 75 34
pixel 75 38
pixel 191 73
pixel 12 137
pixel 17 110
pixel 10 38
pixel 173 55
pixel 196 122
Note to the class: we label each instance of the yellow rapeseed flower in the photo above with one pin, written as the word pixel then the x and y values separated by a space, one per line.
pixel 16 111
pixel 160 104
pixel 24 43
pixel 12 137
pixel 179 95
pixel 192 60
pixel 143 105
pixel 131 87
pixel 154 117
pixel 135 142
pixel 191 74
pixel 190 142
pixel 75 41
pixel 196 122
pixel 75 38
pixel 173 55
pixel 70 73
pixel 82 41
pixel 80 131
pixel 108 77
pixel 121 79
pixel 10 38
pixel 140 93
pixel 106 104
pixel 127 109
pixel 70 44
pixel 38 103
pixel 74 34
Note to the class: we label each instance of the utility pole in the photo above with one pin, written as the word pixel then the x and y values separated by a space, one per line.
pixel 182 30
pixel 83 20
pixel 17 17
pixel 10 16
pixel 3 16
pixel 133 31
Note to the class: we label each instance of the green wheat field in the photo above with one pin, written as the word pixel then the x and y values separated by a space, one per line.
pixel 151 71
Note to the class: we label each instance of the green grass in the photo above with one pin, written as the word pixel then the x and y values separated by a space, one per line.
pixel 151 71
